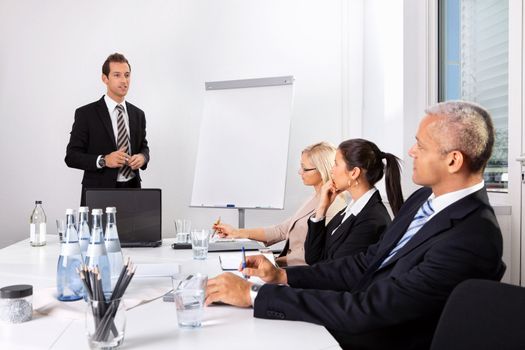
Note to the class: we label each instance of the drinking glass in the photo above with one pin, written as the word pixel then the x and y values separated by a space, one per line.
pixel 189 293
pixel 182 229
pixel 200 240
pixel 105 323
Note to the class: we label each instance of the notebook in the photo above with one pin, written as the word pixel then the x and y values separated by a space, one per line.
pixel 139 213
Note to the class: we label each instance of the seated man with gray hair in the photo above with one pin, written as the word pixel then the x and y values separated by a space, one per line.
pixel 391 296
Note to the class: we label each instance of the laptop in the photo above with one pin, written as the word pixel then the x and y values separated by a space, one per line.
pixel 139 213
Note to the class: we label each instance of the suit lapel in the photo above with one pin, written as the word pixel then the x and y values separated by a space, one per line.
pixel 397 229
pixel 103 114
pixel 341 231
pixel 335 222
pixel 306 210
pixel 133 120
pixel 394 232
pixel 442 221
pixel 344 228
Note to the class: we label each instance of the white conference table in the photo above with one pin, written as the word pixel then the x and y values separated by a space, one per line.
pixel 152 325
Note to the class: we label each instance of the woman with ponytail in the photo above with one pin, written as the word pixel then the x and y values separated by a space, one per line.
pixel 359 165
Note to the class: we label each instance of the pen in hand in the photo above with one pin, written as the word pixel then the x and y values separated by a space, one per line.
pixel 218 222
pixel 244 262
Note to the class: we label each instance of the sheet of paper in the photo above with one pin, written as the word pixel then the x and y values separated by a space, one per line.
pixel 232 261
pixel 217 239
pixel 157 270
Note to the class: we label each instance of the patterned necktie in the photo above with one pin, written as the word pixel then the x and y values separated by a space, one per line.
pixel 123 139
pixel 418 221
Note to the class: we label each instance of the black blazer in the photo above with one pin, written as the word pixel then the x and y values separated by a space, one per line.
pixel 396 306
pixel 351 237
pixel 92 135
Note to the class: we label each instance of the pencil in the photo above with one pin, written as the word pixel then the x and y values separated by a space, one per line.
pixel 244 262
pixel 218 222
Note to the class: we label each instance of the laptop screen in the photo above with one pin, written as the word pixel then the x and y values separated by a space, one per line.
pixel 139 218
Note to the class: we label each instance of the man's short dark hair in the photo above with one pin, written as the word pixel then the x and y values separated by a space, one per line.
pixel 114 57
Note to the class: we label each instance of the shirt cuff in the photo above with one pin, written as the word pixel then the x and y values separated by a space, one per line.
pixel 253 294
pixel 98 159
pixel 314 219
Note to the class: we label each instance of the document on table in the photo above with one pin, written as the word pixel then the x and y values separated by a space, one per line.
pixel 151 281
pixel 217 239
pixel 232 261
pixel 157 270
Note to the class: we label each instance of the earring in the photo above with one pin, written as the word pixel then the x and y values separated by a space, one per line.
pixel 356 183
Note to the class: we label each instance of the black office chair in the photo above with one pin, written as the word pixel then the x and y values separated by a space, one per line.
pixel 482 314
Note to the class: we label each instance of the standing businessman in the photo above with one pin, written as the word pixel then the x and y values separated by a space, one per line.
pixel 108 138
pixel 391 296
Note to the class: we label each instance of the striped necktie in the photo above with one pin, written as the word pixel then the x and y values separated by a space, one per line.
pixel 123 139
pixel 418 221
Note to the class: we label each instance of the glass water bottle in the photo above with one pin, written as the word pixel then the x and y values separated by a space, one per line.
pixel 96 255
pixel 37 226
pixel 69 285
pixel 83 229
pixel 113 245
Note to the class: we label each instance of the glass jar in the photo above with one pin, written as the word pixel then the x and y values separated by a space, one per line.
pixel 16 303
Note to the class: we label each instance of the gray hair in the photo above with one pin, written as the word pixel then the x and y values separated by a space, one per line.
pixel 465 127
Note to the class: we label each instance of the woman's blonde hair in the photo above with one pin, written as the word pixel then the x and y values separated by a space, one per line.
pixel 322 156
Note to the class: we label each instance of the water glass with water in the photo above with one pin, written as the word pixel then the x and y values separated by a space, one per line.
pixel 189 294
pixel 182 229
pixel 200 240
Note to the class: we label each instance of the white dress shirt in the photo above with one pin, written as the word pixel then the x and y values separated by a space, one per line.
pixel 441 202
pixel 353 208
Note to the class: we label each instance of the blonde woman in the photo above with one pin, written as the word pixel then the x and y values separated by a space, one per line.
pixel 316 163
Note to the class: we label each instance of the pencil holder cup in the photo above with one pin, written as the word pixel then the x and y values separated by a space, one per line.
pixel 105 323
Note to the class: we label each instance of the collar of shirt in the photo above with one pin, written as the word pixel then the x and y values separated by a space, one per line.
pixel 112 104
pixel 355 206
pixel 441 202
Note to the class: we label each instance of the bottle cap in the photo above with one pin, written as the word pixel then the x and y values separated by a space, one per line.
pixel 83 210
pixel 111 210
pixel 96 212
pixel 69 211
pixel 16 291
pixel 38 202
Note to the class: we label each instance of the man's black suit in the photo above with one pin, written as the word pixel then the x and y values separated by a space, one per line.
pixel 351 237
pixel 396 306
pixel 92 135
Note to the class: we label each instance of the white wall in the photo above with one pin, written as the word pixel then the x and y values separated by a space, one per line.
pixel 394 77
pixel 50 60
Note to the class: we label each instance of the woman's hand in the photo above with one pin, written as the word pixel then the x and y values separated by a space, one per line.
pixel 328 194
pixel 226 231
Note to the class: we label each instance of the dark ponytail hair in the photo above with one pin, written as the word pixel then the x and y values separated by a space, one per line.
pixel 366 155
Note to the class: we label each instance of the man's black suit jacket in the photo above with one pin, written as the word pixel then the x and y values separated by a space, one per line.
pixel 351 237
pixel 92 135
pixel 396 306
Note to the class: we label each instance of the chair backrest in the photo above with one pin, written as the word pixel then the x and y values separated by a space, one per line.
pixel 501 271
pixel 482 314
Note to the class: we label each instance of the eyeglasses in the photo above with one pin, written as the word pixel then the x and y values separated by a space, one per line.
pixel 305 170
